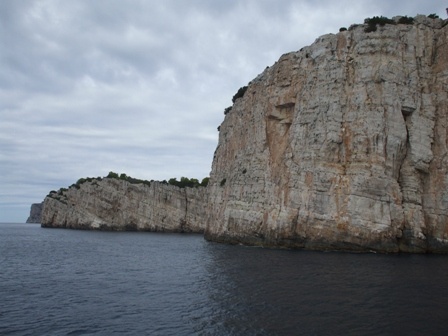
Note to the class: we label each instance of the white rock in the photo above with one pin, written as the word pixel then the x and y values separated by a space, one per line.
pixel 342 145
pixel 113 204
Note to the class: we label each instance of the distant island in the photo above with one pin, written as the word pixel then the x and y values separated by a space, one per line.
pixel 35 216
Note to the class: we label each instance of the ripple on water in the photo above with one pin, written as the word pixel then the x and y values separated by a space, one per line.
pixel 63 282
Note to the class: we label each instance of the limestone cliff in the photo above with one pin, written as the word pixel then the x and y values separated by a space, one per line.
pixel 341 145
pixel 35 213
pixel 114 204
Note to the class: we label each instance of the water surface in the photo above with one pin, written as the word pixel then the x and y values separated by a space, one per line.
pixel 66 282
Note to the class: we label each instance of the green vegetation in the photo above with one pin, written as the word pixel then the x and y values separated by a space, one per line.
pixel 187 182
pixel 129 179
pixel 227 110
pixel 62 191
pixel 184 181
pixel 240 93
pixel 112 175
pixel 61 194
pixel 376 20
pixel 373 22
pixel 78 183
pixel 205 181
pixel 406 20
pixel 52 194
pixel 342 29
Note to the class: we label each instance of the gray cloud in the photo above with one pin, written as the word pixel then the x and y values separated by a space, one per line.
pixel 139 87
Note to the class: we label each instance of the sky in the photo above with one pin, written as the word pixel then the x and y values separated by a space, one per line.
pixel 140 86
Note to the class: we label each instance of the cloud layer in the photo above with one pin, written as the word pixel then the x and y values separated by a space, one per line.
pixel 88 87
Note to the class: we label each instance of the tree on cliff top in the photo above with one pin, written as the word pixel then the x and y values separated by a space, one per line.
pixel 185 182
pixel 112 175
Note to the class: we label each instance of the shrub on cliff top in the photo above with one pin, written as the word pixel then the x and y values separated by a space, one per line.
pixel 185 182
pixel 127 178
pixel 406 20
pixel 112 175
pixel 376 20
pixel 205 181
pixel 52 193
pixel 353 26
pixel 62 191
pixel 240 93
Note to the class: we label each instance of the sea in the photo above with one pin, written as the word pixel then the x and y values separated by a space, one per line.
pixel 68 282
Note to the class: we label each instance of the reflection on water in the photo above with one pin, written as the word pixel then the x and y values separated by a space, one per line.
pixel 263 291
pixel 82 282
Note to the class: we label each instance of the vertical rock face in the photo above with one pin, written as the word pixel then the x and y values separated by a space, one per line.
pixel 35 213
pixel 342 145
pixel 113 204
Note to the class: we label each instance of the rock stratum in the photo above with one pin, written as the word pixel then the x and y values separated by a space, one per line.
pixel 339 146
pixel 117 205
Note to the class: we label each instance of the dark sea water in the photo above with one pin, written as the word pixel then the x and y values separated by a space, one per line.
pixel 64 282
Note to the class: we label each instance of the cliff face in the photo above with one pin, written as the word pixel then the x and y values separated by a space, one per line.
pixel 113 204
pixel 35 213
pixel 342 145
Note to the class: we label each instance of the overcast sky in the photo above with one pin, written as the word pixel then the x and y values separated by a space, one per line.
pixel 88 87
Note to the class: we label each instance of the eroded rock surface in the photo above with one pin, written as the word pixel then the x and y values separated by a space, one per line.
pixel 341 145
pixel 113 204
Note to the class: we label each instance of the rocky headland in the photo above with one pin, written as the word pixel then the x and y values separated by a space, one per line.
pixel 118 205
pixel 35 213
pixel 339 146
